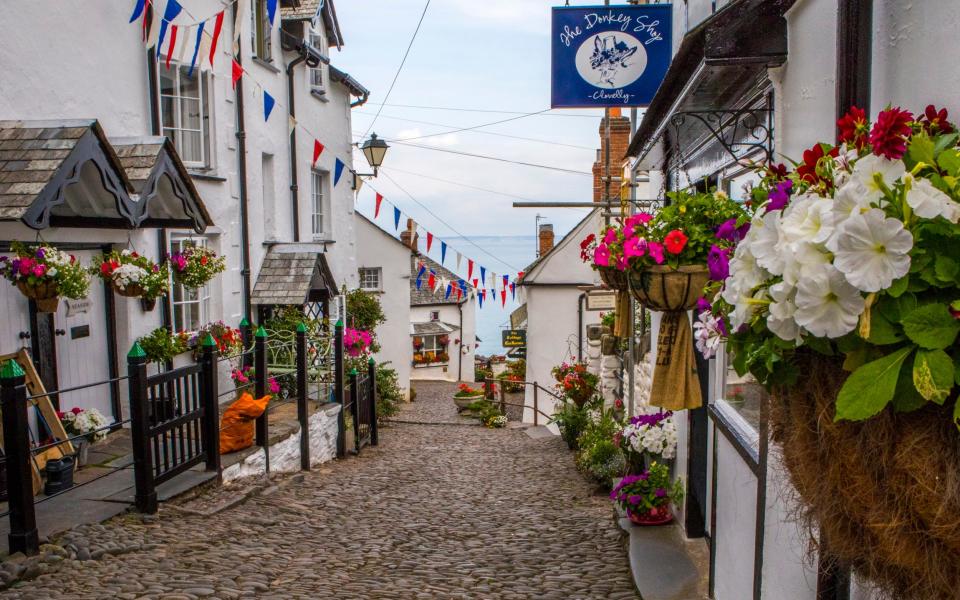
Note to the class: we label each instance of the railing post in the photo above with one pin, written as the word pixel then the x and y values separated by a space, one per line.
pixel 338 388
pixel 246 334
pixel 211 402
pixel 536 408
pixel 374 426
pixel 355 407
pixel 502 392
pixel 303 412
pixel 23 536
pixel 145 496
pixel 260 390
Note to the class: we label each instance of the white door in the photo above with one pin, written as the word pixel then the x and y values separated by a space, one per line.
pixel 82 346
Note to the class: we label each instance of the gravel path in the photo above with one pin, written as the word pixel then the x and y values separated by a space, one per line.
pixel 435 511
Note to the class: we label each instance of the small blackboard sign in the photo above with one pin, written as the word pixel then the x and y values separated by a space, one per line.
pixel 514 338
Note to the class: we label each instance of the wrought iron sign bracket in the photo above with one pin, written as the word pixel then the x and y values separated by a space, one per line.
pixel 740 132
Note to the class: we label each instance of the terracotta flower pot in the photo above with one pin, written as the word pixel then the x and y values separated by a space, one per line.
pixel 613 278
pixel 45 295
pixel 658 515
pixel 664 288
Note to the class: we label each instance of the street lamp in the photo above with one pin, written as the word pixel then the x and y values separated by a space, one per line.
pixel 374 149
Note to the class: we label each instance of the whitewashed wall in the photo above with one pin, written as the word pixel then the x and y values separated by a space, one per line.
pixel 460 367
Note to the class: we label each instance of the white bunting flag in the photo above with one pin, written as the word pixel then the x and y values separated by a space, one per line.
pixel 154 34
pixel 242 8
pixel 204 52
pixel 459 258
pixel 291 124
pixel 185 39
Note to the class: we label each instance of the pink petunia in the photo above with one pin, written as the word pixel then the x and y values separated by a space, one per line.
pixel 636 246
pixel 610 237
pixel 601 256
pixel 622 263
pixel 656 252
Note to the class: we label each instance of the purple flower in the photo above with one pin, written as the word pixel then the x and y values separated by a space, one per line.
pixel 40 253
pixel 661 492
pixel 718 262
pixel 703 304
pixel 780 195
pixel 634 500
pixel 644 476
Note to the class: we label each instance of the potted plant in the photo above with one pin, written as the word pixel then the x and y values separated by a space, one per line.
pixel 229 339
pixel 466 396
pixel 133 276
pixel 575 382
pixel 842 299
pixel 194 266
pixel 44 274
pixel 648 438
pixel 647 496
pixel 417 343
pixel 443 340
pixel 161 344
pixel 571 419
pixel 88 423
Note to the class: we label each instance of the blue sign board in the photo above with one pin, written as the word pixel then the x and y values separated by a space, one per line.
pixel 609 55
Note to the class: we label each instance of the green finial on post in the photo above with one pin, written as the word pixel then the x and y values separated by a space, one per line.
pixel 261 332
pixel 339 323
pixel 370 361
pixel 301 327
pixel 12 369
pixel 353 372
pixel 208 341
pixel 136 351
pixel 244 322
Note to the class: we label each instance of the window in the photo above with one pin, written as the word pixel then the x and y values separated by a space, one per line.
pixel 370 279
pixel 741 393
pixel 318 206
pixel 434 315
pixel 262 39
pixel 431 343
pixel 317 73
pixel 190 308
pixel 430 349
pixel 185 113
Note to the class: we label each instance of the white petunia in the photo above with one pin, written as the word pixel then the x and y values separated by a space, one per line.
pixel 827 305
pixel 810 220
pixel 929 202
pixel 765 244
pixel 745 307
pixel 865 169
pixel 873 250
pixel 782 309
pixel 805 259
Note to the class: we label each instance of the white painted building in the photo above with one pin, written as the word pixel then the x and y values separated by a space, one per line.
pixel 95 68
pixel 384 268
pixel 794 67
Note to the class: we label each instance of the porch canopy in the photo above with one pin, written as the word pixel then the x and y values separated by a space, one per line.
pixel 292 275
pixel 711 105
pixel 432 328
pixel 68 174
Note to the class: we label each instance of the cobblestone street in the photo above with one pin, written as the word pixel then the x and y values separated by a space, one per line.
pixel 448 510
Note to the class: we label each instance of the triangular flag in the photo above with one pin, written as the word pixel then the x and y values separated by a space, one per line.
pixel 337 171
pixel 242 8
pixel 138 10
pixel 476 282
pixel 196 49
pixel 429 240
pixel 483 275
pixel 291 124
pixel 519 274
pixel 143 22
pixel 268 103
pixel 187 32
pixel 420 273
pixel 513 291
pixel 169 14
pixel 204 49
pixel 317 149
pixel 217 26
pixel 506 281
pixel 449 289
pixel 271 10
pixel 503 298
pixel 459 258
pixel 153 36
pixel 237 72
pixel 470 271
pixel 493 280
pixel 432 281
pixel 443 252
pixel 396 218
pixel 462 285
pixel 376 211
pixel 172 46
pixel 481 296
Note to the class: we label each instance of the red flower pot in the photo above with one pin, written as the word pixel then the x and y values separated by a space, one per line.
pixel 658 515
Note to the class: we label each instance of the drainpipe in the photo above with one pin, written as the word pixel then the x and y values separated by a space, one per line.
pixel 580 301
pixel 244 200
pixel 462 340
pixel 294 196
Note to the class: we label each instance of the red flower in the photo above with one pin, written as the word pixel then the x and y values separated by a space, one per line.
pixel 105 268
pixel 778 171
pixel 76 410
pixel 203 260
pixel 889 133
pixel 807 170
pixel 675 241
pixel 853 128
pixel 935 121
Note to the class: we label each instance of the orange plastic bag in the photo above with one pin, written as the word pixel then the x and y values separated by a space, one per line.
pixel 236 424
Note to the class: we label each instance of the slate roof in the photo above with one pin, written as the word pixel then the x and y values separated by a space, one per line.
pixel 287 277
pixel 306 11
pixel 424 296
pixel 33 152
pixel 433 328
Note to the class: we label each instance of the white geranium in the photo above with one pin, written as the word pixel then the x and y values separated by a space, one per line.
pixel 782 309
pixel 873 250
pixel 659 439
pixel 827 305
pixel 929 202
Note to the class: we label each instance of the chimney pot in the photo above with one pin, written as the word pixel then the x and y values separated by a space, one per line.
pixel 409 236
pixel 546 238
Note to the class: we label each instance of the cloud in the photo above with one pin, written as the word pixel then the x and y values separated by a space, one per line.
pixel 525 15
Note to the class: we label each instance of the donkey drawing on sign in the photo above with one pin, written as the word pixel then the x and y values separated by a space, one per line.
pixel 609 56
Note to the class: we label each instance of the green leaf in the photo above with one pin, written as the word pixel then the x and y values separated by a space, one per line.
pixel 946 268
pixel 819 345
pixel 882 331
pixel 907 398
pixel 920 150
pixel 931 326
pixel 943 142
pixel 933 374
pixel 899 286
pixel 871 387
pixel 949 161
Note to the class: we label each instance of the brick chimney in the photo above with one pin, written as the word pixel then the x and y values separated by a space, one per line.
pixel 546 238
pixel 619 142
pixel 409 236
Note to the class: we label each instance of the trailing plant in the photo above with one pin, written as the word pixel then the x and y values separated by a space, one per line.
pixel 36 266
pixel 194 266
pixel 161 344
pixel 364 312
pixel 132 274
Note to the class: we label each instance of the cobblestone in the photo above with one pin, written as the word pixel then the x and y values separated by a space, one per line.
pixel 435 511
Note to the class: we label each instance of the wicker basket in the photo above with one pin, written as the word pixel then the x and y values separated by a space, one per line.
pixel 44 295
pixel 134 290
pixel 613 278
pixel 667 289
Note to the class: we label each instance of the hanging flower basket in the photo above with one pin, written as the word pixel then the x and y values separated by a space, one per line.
pixel 665 288
pixel 613 278
pixel 43 294
pixel 44 274
pixel 132 275
pixel 195 266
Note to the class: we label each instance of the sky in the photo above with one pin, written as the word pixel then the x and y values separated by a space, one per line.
pixel 491 55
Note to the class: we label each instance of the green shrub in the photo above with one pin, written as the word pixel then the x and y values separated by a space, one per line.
pixel 161 346
pixel 571 420
pixel 599 456
pixel 389 394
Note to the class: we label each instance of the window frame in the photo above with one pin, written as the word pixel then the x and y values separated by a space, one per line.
pixel 362 272
pixel 319 206
pixel 261 32
pixel 434 315
pixel 315 39
pixel 178 71
pixel 203 294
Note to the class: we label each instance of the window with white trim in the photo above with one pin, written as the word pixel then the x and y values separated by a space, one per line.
pixel 370 279
pixel 317 74
pixel 261 30
pixel 431 343
pixel 185 112
pixel 319 212
pixel 190 308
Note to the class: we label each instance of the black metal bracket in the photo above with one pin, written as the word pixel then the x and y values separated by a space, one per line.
pixel 740 131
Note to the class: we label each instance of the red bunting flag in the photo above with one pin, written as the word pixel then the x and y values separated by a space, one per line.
pixel 503 297
pixel 216 35
pixel 237 72
pixel 143 26
pixel 459 293
pixel 520 275
pixel 317 149
pixel 431 280
pixel 476 283
pixel 376 211
pixel 429 240
pixel 470 272
pixel 173 44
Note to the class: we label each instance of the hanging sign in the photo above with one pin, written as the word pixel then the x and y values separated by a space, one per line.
pixel 604 300
pixel 609 55
pixel 514 338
